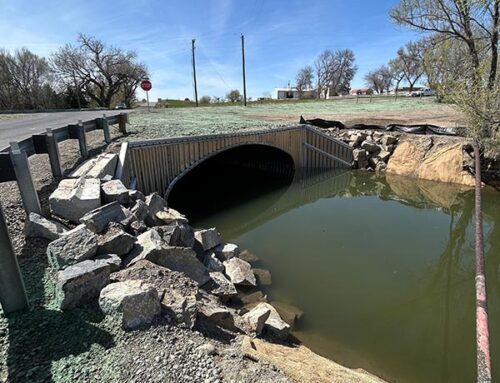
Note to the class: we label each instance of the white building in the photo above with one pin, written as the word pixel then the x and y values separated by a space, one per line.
pixel 292 93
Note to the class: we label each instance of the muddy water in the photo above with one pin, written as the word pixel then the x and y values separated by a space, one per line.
pixel 381 266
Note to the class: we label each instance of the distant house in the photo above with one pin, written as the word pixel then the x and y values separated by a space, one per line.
pixel 361 91
pixel 292 94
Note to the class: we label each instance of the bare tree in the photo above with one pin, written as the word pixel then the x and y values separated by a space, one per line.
pixel 334 72
pixel 379 79
pixel 26 81
pixel 304 79
pixel 409 57
pixel 100 70
pixel 205 100
pixel 234 95
pixel 470 21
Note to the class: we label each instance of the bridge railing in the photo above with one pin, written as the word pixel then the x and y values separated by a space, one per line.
pixel 14 164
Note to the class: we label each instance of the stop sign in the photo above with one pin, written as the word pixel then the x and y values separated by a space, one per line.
pixel 146 85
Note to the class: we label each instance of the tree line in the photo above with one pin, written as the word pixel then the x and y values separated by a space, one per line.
pixel 88 73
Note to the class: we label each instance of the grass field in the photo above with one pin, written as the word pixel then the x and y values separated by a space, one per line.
pixel 173 122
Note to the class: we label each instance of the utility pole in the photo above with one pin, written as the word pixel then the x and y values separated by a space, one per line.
pixel 194 74
pixel 244 75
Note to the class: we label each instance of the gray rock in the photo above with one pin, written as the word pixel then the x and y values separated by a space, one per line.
pixel 138 227
pixel 133 302
pixel 212 263
pixel 253 322
pixel 287 312
pixel 220 286
pixel 248 256
pixel 185 237
pixel 113 260
pixel 370 146
pixel 389 140
pixel 136 195
pixel 115 190
pixel 274 324
pixel 155 204
pixel 168 216
pixel 183 259
pixel 359 155
pixel 80 283
pixel 384 155
pixel 226 251
pixel 182 308
pixel 213 311
pixel 100 167
pixel 98 219
pixel 247 298
pixel 150 246
pixel 115 241
pixel 239 272
pixel 74 197
pixel 208 239
pixel 263 277
pixel 40 227
pixel 140 210
pixel 75 246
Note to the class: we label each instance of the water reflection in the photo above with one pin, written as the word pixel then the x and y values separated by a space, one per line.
pixel 381 266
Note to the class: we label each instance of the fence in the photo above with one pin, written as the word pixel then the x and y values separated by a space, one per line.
pixel 14 164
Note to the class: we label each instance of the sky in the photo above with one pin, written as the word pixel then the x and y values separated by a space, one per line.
pixel 281 36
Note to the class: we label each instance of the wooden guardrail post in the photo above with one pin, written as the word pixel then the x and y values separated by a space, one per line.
pixel 24 179
pixel 122 122
pixel 54 156
pixel 12 291
pixel 82 139
pixel 105 129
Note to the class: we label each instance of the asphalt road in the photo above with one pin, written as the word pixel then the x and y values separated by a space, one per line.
pixel 25 125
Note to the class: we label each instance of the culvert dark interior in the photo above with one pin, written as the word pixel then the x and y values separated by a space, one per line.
pixel 229 178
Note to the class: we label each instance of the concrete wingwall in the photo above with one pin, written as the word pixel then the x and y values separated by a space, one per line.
pixel 155 165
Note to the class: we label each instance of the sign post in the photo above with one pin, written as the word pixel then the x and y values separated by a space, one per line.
pixel 146 86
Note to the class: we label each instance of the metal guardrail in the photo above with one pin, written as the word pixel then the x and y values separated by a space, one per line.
pixel 14 164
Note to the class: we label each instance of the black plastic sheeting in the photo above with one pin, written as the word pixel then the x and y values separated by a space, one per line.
pixel 410 129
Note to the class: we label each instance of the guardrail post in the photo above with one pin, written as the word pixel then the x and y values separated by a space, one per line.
pixel 54 156
pixel 24 179
pixel 122 122
pixel 105 129
pixel 12 291
pixel 82 139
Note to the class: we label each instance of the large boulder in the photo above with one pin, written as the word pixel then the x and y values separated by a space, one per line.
pixel 220 286
pixel 435 159
pixel 115 190
pixel 115 241
pixel 248 256
pixel 207 239
pixel 74 197
pixel 80 283
pixel 263 277
pixel 134 302
pixel 149 246
pixel 155 204
pixel 169 216
pixel 113 260
pixel 301 364
pixel 226 251
pixel 177 234
pixel 99 167
pixel 253 322
pixel 183 308
pixel 274 325
pixel 212 310
pixel 212 263
pixel 40 227
pixel 240 272
pixel 289 313
pixel 75 246
pixel 98 219
pixel 140 210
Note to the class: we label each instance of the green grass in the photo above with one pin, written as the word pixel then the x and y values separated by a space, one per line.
pixel 174 122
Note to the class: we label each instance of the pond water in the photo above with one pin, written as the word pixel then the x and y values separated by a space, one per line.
pixel 381 266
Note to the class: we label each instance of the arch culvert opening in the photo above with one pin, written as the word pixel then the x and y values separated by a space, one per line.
pixel 229 178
